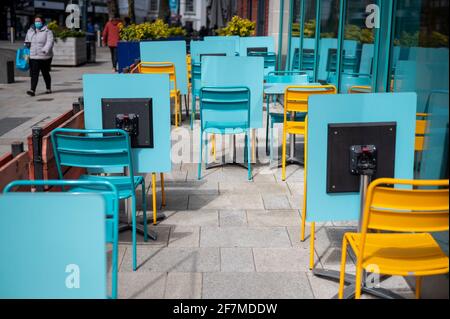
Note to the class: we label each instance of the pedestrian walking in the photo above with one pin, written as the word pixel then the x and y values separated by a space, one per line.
pixel 111 38
pixel 40 40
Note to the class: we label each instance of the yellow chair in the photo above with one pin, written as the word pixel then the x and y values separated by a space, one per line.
pixel 360 89
pixel 163 68
pixel 296 101
pixel 189 72
pixel 421 126
pixel 406 216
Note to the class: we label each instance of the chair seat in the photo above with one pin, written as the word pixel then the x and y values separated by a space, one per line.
pixel 122 184
pixel 401 254
pixel 293 127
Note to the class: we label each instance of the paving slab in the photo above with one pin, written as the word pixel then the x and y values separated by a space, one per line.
pixel 273 218
pixel 184 236
pixel 232 217
pixel 256 286
pixel 137 285
pixel 236 260
pixel 275 201
pixel 244 237
pixel 281 259
pixel 192 218
pixel 174 259
pixel 183 285
pixel 226 201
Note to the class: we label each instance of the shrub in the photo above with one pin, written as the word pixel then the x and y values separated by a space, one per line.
pixel 63 32
pixel 149 31
pixel 238 26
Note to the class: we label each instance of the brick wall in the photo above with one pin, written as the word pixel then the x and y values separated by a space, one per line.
pixel 244 12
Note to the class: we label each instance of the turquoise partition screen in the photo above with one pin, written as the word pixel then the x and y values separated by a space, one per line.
pixel 61 240
pixel 211 47
pixel 238 71
pixel 168 51
pixel 256 42
pixel 155 86
pixel 232 38
pixel 353 108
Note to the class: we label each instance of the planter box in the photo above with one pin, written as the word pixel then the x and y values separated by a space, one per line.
pixel 127 53
pixel 69 52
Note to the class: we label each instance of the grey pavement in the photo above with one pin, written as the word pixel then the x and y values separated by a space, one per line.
pixel 224 237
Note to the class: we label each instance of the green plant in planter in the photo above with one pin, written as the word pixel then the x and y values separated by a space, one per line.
pixel 149 31
pixel 177 32
pixel 63 32
pixel 238 26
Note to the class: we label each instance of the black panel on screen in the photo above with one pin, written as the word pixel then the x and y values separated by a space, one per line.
pixel 342 136
pixel 141 107
pixel 260 50
pixel 211 54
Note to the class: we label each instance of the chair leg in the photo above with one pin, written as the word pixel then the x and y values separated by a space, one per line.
pixel 200 156
pixel 180 110
pixel 213 146
pixel 267 122
pixel 144 209
pixel 302 236
pixel 176 109
pixel 312 238
pixel 163 193
pixel 358 282
pixel 206 148
pixel 283 156
pixel 253 145
pixel 154 198
pixel 271 141
pixel 418 287
pixel 115 263
pixel 343 262
pixel 133 222
pixel 194 102
pixel 249 161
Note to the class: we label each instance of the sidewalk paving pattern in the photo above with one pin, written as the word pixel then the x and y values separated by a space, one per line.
pixel 224 237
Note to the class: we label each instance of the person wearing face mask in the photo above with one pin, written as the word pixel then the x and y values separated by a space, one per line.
pixel 40 40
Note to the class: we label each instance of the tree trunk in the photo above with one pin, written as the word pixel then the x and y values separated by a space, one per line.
pixel 131 14
pixel 113 8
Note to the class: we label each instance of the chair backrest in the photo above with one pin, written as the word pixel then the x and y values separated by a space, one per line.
pixel 357 89
pixel 423 207
pixel 296 96
pixel 158 68
pixel 421 127
pixel 196 77
pixel 298 77
pixel 95 149
pixel 225 107
pixel 61 251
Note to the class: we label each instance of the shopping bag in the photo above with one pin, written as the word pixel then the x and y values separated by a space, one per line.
pixel 23 59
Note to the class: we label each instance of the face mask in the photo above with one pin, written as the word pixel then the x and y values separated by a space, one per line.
pixel 38 25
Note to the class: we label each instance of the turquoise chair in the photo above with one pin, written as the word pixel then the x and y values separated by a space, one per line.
pixel 61 233
pixel 270 61
pixel 101 149
pixel 224 110
pixel 196 83
pixel 292 77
